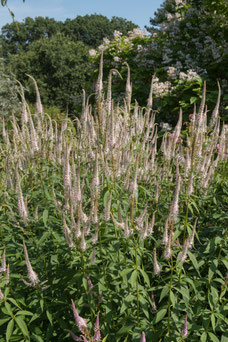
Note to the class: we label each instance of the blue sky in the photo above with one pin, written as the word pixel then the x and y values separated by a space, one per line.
pixel 138 11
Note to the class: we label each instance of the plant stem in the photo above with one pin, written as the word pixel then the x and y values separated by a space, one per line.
pixel 169 302
pixel 137 282
pixel 116 236
pixel 186 219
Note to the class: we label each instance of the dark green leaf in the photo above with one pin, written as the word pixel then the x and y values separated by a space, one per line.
pixel 9 329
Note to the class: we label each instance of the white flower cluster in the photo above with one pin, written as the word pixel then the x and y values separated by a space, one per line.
pixel 137 32
pixel 172 72
pixel 170 17
pixel 117 59
pixel 180 3
pixel 189 76
pixel 92 52
pixel 165 126
pixel 117 34
pixel 106 40
pixel 161 88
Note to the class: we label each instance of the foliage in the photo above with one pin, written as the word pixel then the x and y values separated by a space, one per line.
pixel 18 36
pixel 9 101
pixel 107 219
pixel 188 44
pixel 90 29
pixel 56 54
pixel 60 66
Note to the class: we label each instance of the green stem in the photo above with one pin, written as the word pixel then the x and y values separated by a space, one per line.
pixel 101 255
pixel 83 262
pixel 137 283
pixel 186 219
pixel 216 304
pixel 116 236
pixel 169 302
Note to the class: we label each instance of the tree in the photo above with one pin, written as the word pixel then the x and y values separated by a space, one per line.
pixel 60 67
pixel 188 44
pixel 16 37
pixel 91 29
pixel 194 34
pixel 47 49
pixel 9 101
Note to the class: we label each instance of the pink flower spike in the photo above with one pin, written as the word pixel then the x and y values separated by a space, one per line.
pixel 97 336
pixel 143 337
pixel 184 332
pixel 154 309
pixel 75 338
pixel 81 323
pixel 85 339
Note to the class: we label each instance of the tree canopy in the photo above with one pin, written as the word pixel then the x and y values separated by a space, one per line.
pixel 188 44
pixel 17 36
pixel 59 65
pixel 56 53
pixel 90 29
pixel 8 92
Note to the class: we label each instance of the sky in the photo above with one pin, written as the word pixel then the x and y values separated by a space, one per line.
pixel 138 11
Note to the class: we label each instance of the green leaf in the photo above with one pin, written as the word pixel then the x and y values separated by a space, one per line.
pixel 125 329
pixel 42 305
pixel 49 316
pixel 22 326
pixel 194 261
pixel 185 293
pixel 37 338
pixel 24 313
pixel 193 99
pixel 12 300
pixel 8 309
pixel 159 315
pixel 85 283
pixel 224 338
pixel 43 238
pixel 133 278
pixel 172 298
pixel 9 329
pixel 212 270
pixel 45 216
pixel 7 290
pixel 125 272
pixel 164 292
pixel 213 337
pixel 203 337
pixel 127 301
pixel 4 320
pixel 225 262
pixel 106 198
pixel 145 277
pixel 222 317
pixel 213 321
